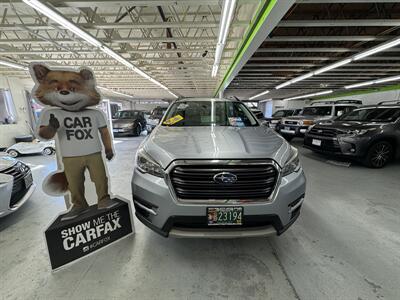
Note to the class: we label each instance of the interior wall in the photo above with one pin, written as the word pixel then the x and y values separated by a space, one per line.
pixel 372 98
pixel 9 131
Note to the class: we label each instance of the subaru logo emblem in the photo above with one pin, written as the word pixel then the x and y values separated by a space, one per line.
pixel 225 178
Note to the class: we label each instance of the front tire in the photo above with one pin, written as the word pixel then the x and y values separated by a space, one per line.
pixel 379 154
pixel 13 153
pixel 137 130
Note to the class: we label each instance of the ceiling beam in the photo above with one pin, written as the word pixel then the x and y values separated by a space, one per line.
pixel 126 25
pixel 331 38
pixel 341 23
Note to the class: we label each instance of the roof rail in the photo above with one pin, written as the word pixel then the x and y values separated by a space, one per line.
pixel 348 101
pixel 322 102
pixel 389 101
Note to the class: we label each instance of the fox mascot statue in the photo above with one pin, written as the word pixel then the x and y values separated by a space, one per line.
pixel 81 131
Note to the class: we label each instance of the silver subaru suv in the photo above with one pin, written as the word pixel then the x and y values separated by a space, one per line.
pixel 210 169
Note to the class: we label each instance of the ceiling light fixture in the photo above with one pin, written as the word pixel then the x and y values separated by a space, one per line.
pixel 373 50
pixel 378 48
pixel 115 92
pixel 13 65
pixel 332 66
pixel 371 82
pixel 258 95
pixel 228 9
pixel 310 95
pixel 56 17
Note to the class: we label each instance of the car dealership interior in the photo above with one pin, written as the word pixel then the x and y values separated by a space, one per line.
pixel 209 149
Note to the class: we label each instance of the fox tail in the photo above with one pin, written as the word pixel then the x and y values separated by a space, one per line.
pixel 56 184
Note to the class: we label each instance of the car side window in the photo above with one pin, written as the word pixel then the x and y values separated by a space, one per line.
pixel 341 110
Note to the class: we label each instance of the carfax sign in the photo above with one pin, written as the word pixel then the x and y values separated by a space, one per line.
pixel 68 241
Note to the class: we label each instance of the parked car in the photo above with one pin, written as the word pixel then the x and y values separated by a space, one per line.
pixel 155 117
pixel 34 147
pixel 276 118
pixel 129 122
pixel 370 134
pixel 296 126
pixel 16 184
pixel 210 169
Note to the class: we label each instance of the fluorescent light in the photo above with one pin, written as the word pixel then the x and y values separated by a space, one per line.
pixel 265 100
pixel 356 85
pixel 56 17
pixel 332 66
pixel 305 76
pixel 228 9
pixel 12 65
pixel 310 95
pixel 258 95
pixel 378 48
pixel 371 82
pixel 172 94
pixel 393 78
pixel 214 70
pixel 115 92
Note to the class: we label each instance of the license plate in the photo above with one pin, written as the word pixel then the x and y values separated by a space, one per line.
pixel 224 215
pixel 28 180
pixel 316 142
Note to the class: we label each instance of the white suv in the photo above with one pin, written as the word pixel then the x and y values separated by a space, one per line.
pixel 297 126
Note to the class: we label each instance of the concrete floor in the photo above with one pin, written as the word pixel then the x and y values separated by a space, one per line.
pixel 345 245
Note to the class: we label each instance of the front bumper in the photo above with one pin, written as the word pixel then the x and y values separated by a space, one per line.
pixel 342 145
pixel 12 208
pixel 292 130
pixel 122 131
pixel 158 209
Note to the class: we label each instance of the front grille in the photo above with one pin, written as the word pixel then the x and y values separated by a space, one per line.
pixel 325 132
pixel 330 145
pixel 196 182
pixel 22 181
pixel 291 122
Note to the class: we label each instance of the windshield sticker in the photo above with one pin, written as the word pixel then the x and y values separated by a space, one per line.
pixel 173 120
pixel 182 106
pixel 236 122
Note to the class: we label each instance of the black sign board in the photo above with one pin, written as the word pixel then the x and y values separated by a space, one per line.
pixel 70 240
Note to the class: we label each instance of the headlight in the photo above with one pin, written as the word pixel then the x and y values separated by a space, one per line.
pixel 308 122
pixel 358 131
pixel 146 164
pixel 293 163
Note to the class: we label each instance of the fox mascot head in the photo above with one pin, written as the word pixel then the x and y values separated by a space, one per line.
pixel 69 90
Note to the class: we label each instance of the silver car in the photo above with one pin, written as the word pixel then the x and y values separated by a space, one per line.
pixel 210 169
pixel 16 184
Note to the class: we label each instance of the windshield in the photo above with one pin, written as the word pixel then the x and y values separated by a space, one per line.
pixel 126 114
pixel 282 113
pixel 317 111
pixel 207 113
pixel 372 115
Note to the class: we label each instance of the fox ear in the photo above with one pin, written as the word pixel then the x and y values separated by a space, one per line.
pixel 40 72
pixel 86 74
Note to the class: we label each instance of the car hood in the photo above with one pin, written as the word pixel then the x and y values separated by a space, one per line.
pixel 167 144
pixel 349 125
pixel 122 121
pixel 6 161
pixel 306 117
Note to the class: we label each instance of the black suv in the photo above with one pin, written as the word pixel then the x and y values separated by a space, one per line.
pixel 370 134
pixel 129 122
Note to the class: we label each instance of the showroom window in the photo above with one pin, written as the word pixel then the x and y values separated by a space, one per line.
pixel 8 113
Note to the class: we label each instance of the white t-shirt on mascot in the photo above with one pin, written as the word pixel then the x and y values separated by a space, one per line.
pixel 78 133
